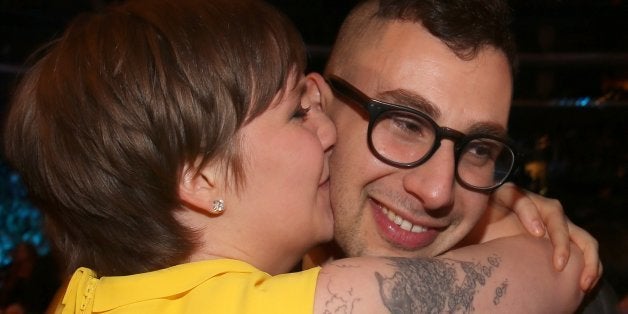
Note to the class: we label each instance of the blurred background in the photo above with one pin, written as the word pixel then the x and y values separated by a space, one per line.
pixel 569 114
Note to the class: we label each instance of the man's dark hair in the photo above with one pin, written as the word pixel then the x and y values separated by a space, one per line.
pixel 465 26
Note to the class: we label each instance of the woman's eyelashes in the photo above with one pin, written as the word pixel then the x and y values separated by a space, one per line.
pixel 300 112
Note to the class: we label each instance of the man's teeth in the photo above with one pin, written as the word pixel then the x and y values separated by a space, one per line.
pixel 402 223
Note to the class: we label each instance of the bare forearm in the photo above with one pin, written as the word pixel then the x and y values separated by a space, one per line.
pixel 534 285
pixel 486 278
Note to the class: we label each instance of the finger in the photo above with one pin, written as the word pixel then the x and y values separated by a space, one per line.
pixel 552 214
pixel 600 271
pixel 511 196
pixel 557 229
pixel 592 271
pixel 561 250
pixel 592 265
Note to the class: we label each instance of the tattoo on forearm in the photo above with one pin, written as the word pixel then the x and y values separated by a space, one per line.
pixel 340 302
pixel 436 286
pixel 500 291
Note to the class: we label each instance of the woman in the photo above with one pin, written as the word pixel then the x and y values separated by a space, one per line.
pixel 180 157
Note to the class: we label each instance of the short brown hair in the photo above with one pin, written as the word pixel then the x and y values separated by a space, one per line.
pixel 101 125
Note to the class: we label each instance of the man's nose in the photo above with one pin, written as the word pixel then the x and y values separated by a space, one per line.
pixel 433 181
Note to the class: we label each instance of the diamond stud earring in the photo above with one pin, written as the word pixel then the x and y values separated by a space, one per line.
pixel 218 206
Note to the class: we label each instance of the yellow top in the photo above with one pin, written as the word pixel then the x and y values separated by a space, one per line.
pixel 214 286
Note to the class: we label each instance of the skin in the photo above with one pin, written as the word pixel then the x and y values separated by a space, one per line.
pixel 282 208
pixel 464 95
pixel 467 280
pixel 285 189
pixel 484 279
pixel 422 72
pixel 422 66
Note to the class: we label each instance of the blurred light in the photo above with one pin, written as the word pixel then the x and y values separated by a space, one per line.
pixel 585 101
pixel 20 221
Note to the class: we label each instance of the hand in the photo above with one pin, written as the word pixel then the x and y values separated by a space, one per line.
pixel 538 213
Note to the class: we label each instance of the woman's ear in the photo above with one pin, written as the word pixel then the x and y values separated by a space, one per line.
pixel 317 92
pixel 199 189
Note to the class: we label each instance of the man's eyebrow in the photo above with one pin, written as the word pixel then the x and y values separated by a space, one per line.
pixel 488 128
pixel 411 99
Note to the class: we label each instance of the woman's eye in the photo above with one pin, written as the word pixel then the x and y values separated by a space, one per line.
pixel 300 112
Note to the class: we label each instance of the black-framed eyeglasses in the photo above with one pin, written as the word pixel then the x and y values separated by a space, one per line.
pixel 405 137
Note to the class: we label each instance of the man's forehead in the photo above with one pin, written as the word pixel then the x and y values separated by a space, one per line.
pixel 466 115
pixel 422 72
pixel 483 125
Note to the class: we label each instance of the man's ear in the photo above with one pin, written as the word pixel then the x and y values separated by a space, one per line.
pixel 318 93
pixel 198 189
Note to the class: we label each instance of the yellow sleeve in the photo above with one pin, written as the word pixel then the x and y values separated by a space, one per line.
pixel 217 286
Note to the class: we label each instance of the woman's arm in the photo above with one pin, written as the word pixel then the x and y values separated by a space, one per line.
pixel 504 275
pixel 537 214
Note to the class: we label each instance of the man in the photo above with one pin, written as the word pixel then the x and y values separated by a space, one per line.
pixel 420 90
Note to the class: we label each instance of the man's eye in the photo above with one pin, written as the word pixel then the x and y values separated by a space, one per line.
pixel 409 126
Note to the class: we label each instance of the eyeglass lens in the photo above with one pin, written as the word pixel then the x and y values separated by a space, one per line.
pixel 405 138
